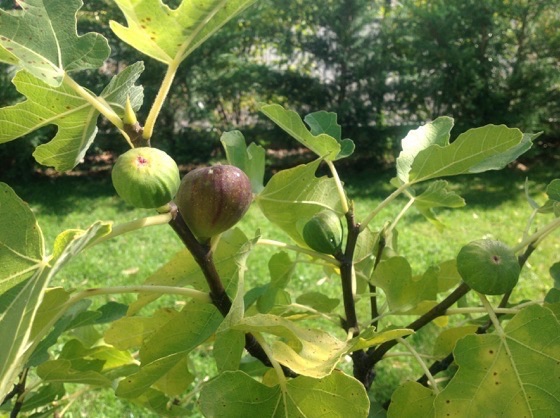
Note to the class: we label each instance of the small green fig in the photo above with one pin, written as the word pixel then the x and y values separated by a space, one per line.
pixel 323 232
pixel 213 199
pixel 146 177
pixel 488 266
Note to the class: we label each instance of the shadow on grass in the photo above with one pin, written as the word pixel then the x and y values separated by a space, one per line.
pixel 63 194
pixel 488 189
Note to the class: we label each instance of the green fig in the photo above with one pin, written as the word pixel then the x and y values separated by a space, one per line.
pixel 146 177
pixel 488 266
pixel 323 232
pixel 213 199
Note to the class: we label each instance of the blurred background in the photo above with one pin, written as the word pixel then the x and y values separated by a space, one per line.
pixel 384 66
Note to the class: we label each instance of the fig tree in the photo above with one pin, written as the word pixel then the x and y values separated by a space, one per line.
pixel 323 232
pixel 213 199
pixel 146 177
pixel 488 266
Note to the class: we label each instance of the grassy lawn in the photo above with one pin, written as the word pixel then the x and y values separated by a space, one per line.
pixel 496 207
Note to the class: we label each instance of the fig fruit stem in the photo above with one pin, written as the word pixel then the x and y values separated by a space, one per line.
pixel 203 256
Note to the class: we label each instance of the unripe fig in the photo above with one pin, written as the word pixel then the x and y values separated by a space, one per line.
pixel 323 232
pixel 146 177
pixel 488 266
pixel 213 199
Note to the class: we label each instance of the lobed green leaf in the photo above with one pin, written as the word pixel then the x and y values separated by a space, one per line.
pixel 235 394
pixel 42 39
pixel 170 35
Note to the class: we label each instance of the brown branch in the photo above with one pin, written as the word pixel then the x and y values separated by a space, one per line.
pixel 376 354
pixel 202 254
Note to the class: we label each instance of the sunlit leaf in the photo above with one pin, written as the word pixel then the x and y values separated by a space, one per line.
pixel 167 34
pixel 21 240
pixel 182 269
pixel 175 339
pixel 324 145
pixel 19 312
pixel 293 196
pixel 411 399
pixel 43 38
pixel 490 147
pixel 235 394
pixel 309 352
pixel 513 375
pixel 131 332
pixel 446 340
pixel 436 132
pixel 75 118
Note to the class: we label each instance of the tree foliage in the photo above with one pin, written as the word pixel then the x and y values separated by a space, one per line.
pixel 275 353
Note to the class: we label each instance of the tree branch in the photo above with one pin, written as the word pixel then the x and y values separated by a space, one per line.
pixel 202 253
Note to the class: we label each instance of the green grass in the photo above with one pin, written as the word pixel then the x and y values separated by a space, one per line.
pixel 496 207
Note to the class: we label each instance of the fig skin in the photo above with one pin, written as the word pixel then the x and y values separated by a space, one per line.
pixel 213 199
pixel 323 232
pixel 146 177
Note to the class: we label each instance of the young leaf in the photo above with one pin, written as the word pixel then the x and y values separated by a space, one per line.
pixel 75 118
pixel 235 394
pixel 325 123
pixel 295 195
pixel 511 375
pixel 169 35
pixel 250 159
pixel 325 146
pixel 44 40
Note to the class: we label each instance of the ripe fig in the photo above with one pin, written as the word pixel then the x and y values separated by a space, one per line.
pixel 488 266
pixel 323 232
pixel 146 177
pixel 213 199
